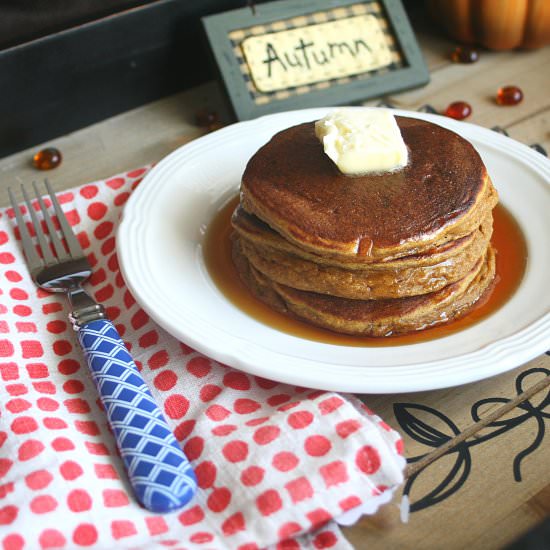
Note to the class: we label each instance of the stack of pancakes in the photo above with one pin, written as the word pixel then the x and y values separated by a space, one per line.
pixel 374 255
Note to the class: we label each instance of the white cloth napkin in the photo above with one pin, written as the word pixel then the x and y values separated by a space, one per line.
pixel 276 464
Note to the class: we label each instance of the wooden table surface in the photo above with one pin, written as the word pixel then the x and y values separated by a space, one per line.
pixel 488 489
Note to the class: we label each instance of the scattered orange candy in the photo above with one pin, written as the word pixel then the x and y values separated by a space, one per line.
pixel 459 110
pixel 47 159
pixel 464 54
pixel 509 95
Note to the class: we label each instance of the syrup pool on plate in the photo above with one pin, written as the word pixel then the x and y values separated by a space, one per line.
pixel 511 259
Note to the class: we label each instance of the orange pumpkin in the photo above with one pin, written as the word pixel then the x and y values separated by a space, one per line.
pixel 495 24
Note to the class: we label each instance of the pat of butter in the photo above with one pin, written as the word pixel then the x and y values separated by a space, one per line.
pixel 360 141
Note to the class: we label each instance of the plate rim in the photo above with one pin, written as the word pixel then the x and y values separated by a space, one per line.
pixel 505 356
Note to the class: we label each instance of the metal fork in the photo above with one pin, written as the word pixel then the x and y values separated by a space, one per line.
pixel 158 470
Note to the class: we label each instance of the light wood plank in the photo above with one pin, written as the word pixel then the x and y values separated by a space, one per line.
pixel 120 143
pixel 533 129
pixel 436 48
pixel 512 526
pixel 477 84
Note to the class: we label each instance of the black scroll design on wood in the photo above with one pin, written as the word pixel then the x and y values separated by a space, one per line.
pixel 425 432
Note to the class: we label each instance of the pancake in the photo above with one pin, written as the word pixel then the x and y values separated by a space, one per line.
pixel 374 255
pixel 293 186
pixel 408 276
pixel 252 229
pixel 371 317
pixel 382 281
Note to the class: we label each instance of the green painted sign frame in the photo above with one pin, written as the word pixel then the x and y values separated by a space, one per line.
pixel 247 103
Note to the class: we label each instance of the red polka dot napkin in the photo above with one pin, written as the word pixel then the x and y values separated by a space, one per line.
pixel 276 464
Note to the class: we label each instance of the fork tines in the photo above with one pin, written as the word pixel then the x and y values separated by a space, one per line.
pixel 59 252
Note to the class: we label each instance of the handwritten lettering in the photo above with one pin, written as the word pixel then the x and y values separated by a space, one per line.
pixel 305 56
pixel 317 52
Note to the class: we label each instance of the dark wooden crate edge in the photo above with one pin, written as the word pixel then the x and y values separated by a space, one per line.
pixel 71 79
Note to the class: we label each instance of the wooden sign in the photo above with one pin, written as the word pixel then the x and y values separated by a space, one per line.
pixel 294 54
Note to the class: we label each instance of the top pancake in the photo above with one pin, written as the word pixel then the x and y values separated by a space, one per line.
pixel 442 194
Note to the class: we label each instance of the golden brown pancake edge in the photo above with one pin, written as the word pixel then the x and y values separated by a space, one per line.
pixel 293 186
pixel 373 318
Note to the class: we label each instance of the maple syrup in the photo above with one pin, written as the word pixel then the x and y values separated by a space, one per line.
pixel 511 259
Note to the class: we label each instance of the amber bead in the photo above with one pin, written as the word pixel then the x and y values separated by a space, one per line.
pixel 206 118
pixel 459 110
pixel 509 95
pixel 464 54
pixel 48 158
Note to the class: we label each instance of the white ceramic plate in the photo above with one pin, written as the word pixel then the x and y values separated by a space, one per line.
pixel 160 251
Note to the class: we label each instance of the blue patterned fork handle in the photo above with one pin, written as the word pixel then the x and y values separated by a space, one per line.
pixel 158 470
